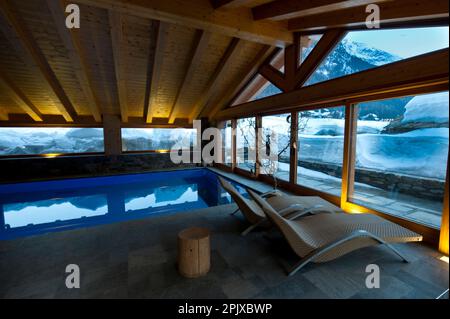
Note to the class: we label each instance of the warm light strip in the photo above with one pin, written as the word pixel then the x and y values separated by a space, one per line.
pixel 444 259
pixel 52 155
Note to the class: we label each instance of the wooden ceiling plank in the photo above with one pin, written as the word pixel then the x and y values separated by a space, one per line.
pixel 322 49
pixel 223 66
pixel 199 14
pixel 240 81
pixel 155 62
pixel 119 47
pixel 421 71
pixel 77 56
pixel 4 115
pixel 22 40
pixel 289 9
pixel 392 12
pixel 199 51
pixel 19 98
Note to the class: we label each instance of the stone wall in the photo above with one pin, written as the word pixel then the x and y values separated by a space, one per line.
pixel 26 169
pixel 417 186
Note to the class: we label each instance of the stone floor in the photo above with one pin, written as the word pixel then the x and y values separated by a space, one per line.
pixel 419 210
pixel 137 259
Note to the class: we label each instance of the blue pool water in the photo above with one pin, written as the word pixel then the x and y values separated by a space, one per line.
pixel 40 207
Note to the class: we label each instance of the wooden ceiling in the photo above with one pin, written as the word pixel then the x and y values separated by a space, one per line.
pixel 156 62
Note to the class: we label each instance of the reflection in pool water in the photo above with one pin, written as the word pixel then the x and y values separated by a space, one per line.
pixel 33 208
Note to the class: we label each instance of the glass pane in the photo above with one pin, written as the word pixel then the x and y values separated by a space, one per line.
pixel 157 139
pixel 276 129
pixel 226 143
pixel 401 157
pixel 246 144
pixel 320 151
pixel 363 50
pixel 308 42
pixel 52 141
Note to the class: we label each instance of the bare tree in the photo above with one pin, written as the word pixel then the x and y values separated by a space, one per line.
pixel 267 164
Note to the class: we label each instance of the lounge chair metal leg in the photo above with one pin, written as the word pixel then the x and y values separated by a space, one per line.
pixel 356 234
pixel 234 212
pixel 249 229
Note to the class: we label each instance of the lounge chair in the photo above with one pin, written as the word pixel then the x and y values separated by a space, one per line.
pixel 324 237
pixel 288 206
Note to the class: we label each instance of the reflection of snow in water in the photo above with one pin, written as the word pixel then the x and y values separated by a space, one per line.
pixel 47 214
pixel 160 201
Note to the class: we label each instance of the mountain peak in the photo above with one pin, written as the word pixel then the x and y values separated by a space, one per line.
pixel 367 53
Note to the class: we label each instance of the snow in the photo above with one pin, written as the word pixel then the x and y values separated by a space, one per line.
pixel 369 54
pixel 417 153
pixel 421 152
pixel 427 108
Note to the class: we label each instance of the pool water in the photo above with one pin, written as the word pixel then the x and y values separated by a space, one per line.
pixel 39 207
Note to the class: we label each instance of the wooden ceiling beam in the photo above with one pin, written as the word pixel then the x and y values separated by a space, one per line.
pixel 289 9
pixel 119 48
pixel 219 4
pixel 19 98
pixel 322 49
pixel 200 14
pixel 22 40
pixel 391 13
pixel 421 71
pixel 77 56
pixel 155 67
pixel 239 82
pixel 274 76
pixel 224 65
pixel 258 84
pixel 196 57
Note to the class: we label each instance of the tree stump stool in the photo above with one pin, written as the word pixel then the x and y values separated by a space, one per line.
pixel 193 252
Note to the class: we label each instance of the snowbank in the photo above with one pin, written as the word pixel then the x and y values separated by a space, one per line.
pixel 427 108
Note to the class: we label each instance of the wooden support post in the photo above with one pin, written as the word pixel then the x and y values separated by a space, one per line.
pixel 258 140
pixel 233 144
pixel 112 135
pixel 293 162
pixel 444 235
pixel 348 166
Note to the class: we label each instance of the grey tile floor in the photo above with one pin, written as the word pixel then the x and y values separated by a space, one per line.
pixel 137 259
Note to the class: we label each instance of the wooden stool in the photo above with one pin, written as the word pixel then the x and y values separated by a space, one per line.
pixel 193 252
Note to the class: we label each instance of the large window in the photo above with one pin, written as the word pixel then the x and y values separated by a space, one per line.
pixel 362 50
pixel 320 151
pixel 37 141
pixel 401 157
pixel 246 144
pixel 276 132
pixel 155 139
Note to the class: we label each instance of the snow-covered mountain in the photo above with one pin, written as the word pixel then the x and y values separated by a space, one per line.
pixel 350 57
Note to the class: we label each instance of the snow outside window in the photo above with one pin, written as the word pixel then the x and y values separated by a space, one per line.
pixel 320 149
pixel 401 156
pixel 37 141
pixel 157 139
